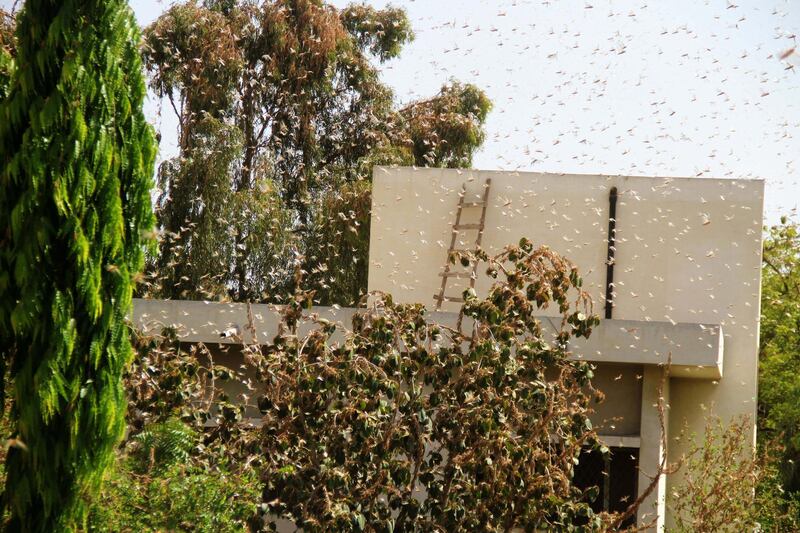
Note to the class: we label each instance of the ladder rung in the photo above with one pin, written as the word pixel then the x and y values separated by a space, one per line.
pixel 448 298
pixel 473 204
pixel 455 275
pixel 457 227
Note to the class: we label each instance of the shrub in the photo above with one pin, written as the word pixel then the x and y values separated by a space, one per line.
pixel 725 488
pixel 173 473
pixel 409 425
pixel 179 498
pixel 162 446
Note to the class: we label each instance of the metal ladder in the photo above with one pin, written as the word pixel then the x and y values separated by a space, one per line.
pixel 458 227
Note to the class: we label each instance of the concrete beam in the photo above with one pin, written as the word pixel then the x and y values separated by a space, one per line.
pixel 696 350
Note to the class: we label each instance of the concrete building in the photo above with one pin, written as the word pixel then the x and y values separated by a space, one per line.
pixel 673 265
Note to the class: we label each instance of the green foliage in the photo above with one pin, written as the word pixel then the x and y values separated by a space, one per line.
pixel 197 53
pixel 8 51
pixel 380 32
pixel 169 381
pixel 76 160
pixel 8 54
pixel 174 472
pixel 184 466
pixel 340 240
pixel 403 424
pixel 779 355
pixel 209 225
pixel 446 130
pixel 286 74
pixel 724 487
pixel 180 498
pixel 776 510
pixel 163 445
pixel 164 381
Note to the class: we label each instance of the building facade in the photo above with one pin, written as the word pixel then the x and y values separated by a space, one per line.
pixel 672 264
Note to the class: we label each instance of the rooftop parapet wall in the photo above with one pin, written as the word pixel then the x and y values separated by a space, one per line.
pixel 675 236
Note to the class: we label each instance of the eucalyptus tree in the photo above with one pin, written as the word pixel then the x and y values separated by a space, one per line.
pixel 281 102
pixel 76 165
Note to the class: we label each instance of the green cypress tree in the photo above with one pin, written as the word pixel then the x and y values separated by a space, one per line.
pixel 76 161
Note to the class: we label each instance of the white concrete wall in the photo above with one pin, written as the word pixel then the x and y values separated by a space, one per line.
pixel 688 250
pixel 619 414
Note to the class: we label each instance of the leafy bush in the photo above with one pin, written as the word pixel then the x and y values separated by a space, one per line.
pixel 776 509
pixel 724 488
pixel 409 425
pixel 165 381
pixel 180 498
pixel 162 446
pixel 173 473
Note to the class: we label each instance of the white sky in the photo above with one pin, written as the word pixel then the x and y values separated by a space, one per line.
pixel 678 88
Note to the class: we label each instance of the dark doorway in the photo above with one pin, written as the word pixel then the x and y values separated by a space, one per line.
pixel 615 475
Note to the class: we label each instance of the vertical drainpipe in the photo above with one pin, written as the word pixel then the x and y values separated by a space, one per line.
pixel 612 237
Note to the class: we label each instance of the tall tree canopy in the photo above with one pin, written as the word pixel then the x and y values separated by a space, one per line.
pixel 282 113
pixel 76 161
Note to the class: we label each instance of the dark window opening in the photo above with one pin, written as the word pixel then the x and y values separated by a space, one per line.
pixel 615 476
